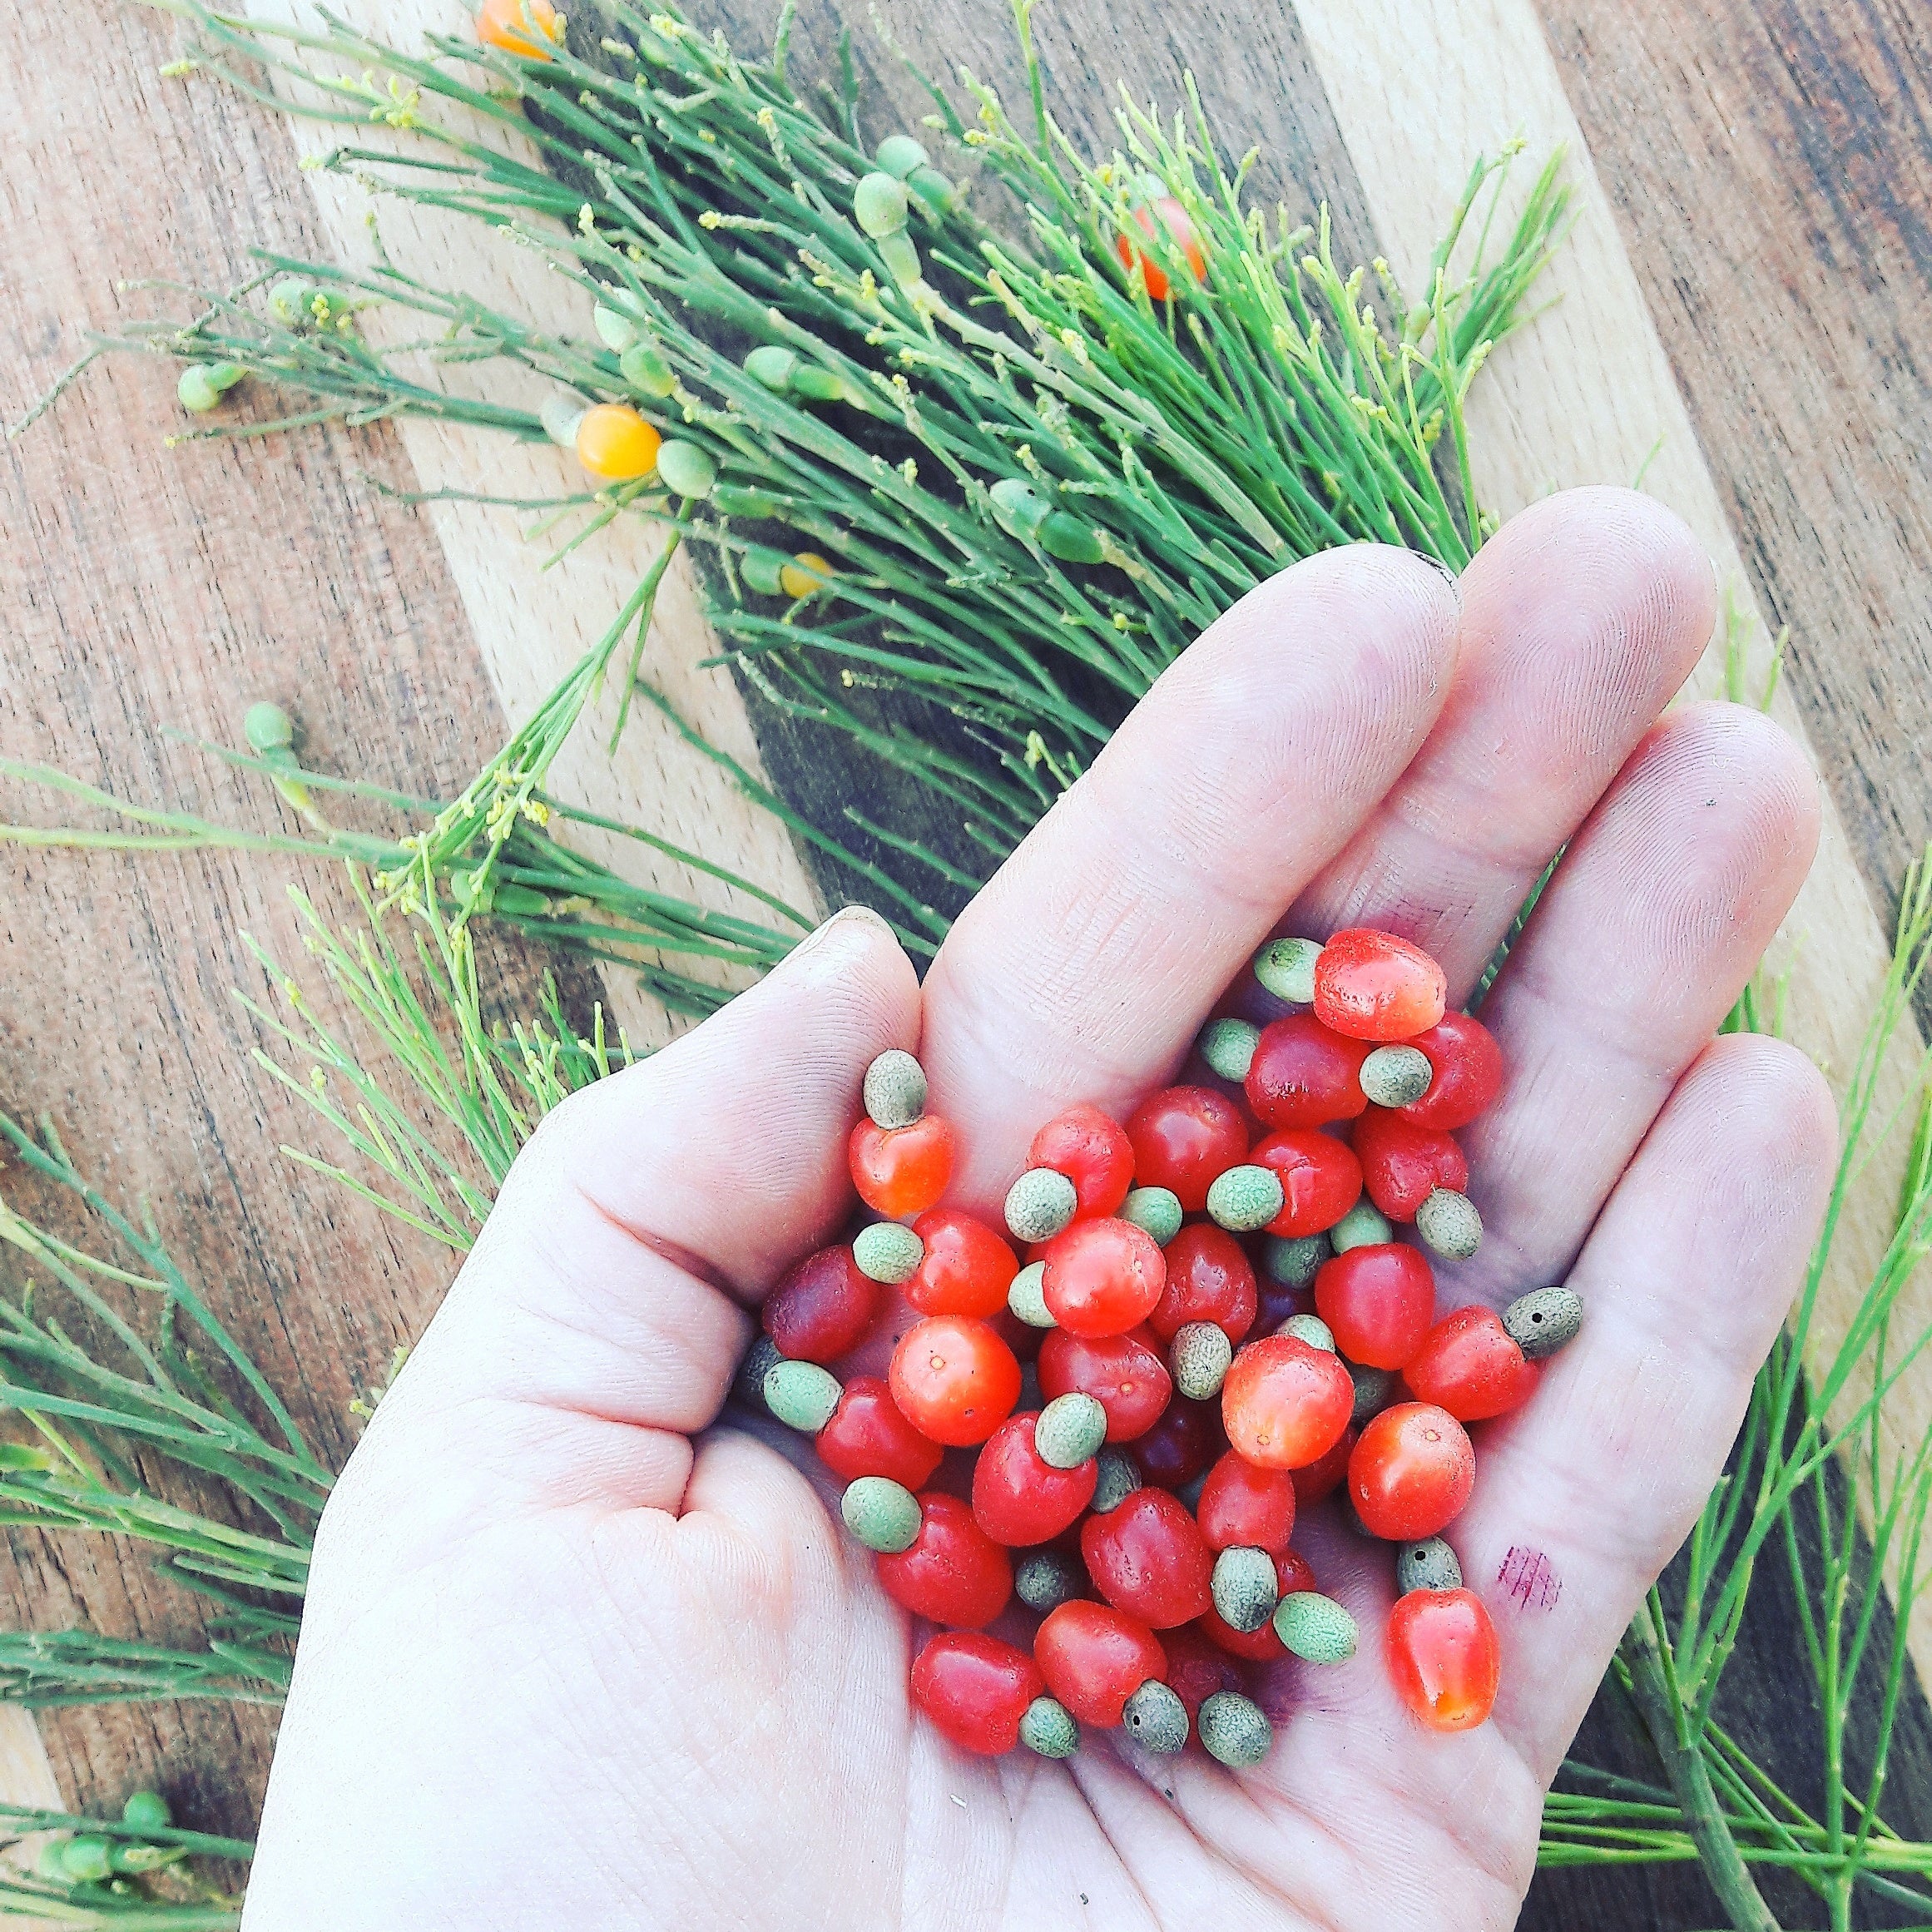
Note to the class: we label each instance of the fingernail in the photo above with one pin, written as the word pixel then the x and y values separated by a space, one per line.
pixel 847 919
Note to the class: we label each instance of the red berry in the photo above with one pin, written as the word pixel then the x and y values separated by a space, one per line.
pixel 1183 1138
pixel 1292 1573
pixel 1468 1072
pixel 1094 1658
pixel 902 1170
pixel 1469 1365
pixel 967 1268
pixel 1286 1404
pixel 1181 1444
pixel 1209 1279
pixel 1320 1179
pixel 956 1380
pixel 1243 1507
pixel 1197 1669
pixel 1303 1075
pixel 1378 1300
pixel 1411 1472
pixel 1146 1556
pixel 1444 1657
pixel 1093 1151
pixel 823 1309
pixel 1103 1277
pixel 1018 1498
pixel 976 1689
pixel 1372 986
pixel 1403 1164
pixel 955 1572
pixel 1123 1373
pixel 1173 217
pixel 1325 1474
pixel 868 1435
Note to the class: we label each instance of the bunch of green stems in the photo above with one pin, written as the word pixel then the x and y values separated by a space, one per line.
pixel 165 1896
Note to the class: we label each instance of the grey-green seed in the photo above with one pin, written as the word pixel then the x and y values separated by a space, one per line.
pixel 1448 1222
pixel 1155 1718
pixel 1071 1429
pixel 1039 1205
pixel 1292 1260
pixel 1286 968
pixel 267 728
pixel 1310 1328
pixel 761 1359
pixel 1228 1046
pixel 1234 1729
pixel 1363 1227
pixel 1395 1076
pixel 1427 1564
pixel 196 391
pixel 1047 1727
pixel 888 1251
pixel 899 154
pixel 1044 1579
pixel 1025 1299
pixel 1373 1388
pixel 1246 1587
pixel 1316 1627
pixel 1118 1480
pixel 802 1395
pixel 1245 1198
pixel 878 204
pixel 1155 1211
pixel 1542 1321
pixel 1199 1355
pixel 883 1514
pixel 895 1089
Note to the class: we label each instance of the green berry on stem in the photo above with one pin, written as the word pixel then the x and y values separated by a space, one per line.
pixel 1070 1430
pixel 1199 1355
pixel 802 1395
pixel 771 365
pixel 899 154
pixel 267 728
pixel 818 385
pixel 1427 1564
pixel 686 470
pixel 196 392
pixel 1447 1222
pixel 646 371
pixel 878 204
pixel 289 301
pixel 1027 1300
pixel 87 1859
pixel 1245 1198
pixel 1155 1211
pixel 1539 1323
pixel 1373 1388
pixel 560 414
pixel 1155 1718
pixel 1047 1728
pixel 1234 1729
pixel 1310 1328
pixel 1043 1579
pixel 895 1089
pixel 1118 1480
pixel 147 1811
pixel 1292 1260
pixel 935 190
pixel 616 331
pixel 1363 1227
pixel 1316 1627
pixel 1286 968
pixel 1246 1587
pixel 1228 1046
pixel 1071 539
pixel 761 1359
pixel 1039 1205
pixel 888 1251
pixel 883 1514
pixel 1394 1076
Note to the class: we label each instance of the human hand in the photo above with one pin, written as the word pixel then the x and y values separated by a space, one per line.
pixel 580 1651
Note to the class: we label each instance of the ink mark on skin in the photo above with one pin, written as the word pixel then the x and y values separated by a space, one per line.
pixel 1528 1576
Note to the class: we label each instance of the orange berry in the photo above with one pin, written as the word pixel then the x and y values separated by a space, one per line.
pixel 507 24
pixel 1179 231
pixel 806 572
pixel 615 444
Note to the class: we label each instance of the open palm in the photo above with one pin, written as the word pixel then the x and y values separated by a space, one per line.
pixel 579 1652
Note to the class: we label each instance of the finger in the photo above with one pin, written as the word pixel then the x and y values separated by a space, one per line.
pixel 1582 1496
pixel 1654 921
pixel 1084 967
pixel 1581 618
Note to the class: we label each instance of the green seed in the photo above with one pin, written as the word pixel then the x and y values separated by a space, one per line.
pixel 1245 1198
pixel 1394 1076
pixel 1071 1429
pixel 646 371
pixel 1363 1227
pixel 1155 1718
pixel 1199 1355
pixel 1310 1328
pixel 290 299
pixel 888 1251
pixel 1044 1579
pixel 1047 1728
pixel 901 258
pixel 771 365
pixel 761 1359
pixel 267 728
pixel 1234 1729
pixel 1025 1299
pixel 147 1811
pixel 1543 1321
pixel 818 385
pixel 87 1860
pixel 195 392
pixel 1429 1564
pixel 1155 1211
pixel 1228 1046
pixel 878 204
pixel 1072 539
pixel 1039 1204
pixel 802 1395
pixel 934 189
pixel 1246 1587
pixel 1118 1480
pixel 895 1089
pixel 617 332
pixel 1373 1388
pixel 561 414
pixel 899 154
pixel 883 1514
pixel 1448 1222
pixel 1315 1627
pixel 1286 968
pixel 225 375
pixel 1292 1260
pixel 685 470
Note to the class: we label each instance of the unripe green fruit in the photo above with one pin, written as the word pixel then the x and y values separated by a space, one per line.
pixel 761 1359
pixel 1234 1729
pixel 772 366
pixel 895 1089
pixel 617 332
pixel 901 258
pixel 560 414
pixel 938 192
pixel 646 371
pixel 1245 1198
pixel 1246 1587
pixel 1155 1211
pixel 1316 1627
pixel 1070 1430
pixel 883 1514
pixel 735 500
pixel 147 1811
pixel 802 1395
pixel 1373 1388
pixel 1118 1480
pixel 1448 1222
pixel 1429 1565
pixel 196 392
pixel 87 1859
pixel 818 385
pixel 1286 968
pixel 289 301
pixel 1043 1579
pixel 1047 1728
pixel 1018 509
pixel 686 470
pixel 899 154
pixel 878 204
pixel 225 375
pixel 1292 1260
pixel 1542 1321
pixel 1394 1076
pixel 1363 1227
pixel 761 570
pixel 1071 539
pixel 1199 1355
pixel 1025 1299
pixel 1228 1046
pixel 1310 1328
pixel 1039 1205
pixel 1155 1718
pixel 267 728
pixel 888 1251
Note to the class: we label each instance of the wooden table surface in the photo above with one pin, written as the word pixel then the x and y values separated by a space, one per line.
pixel 1746 305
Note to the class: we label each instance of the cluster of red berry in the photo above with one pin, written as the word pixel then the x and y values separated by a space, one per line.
pixel 1246 1394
